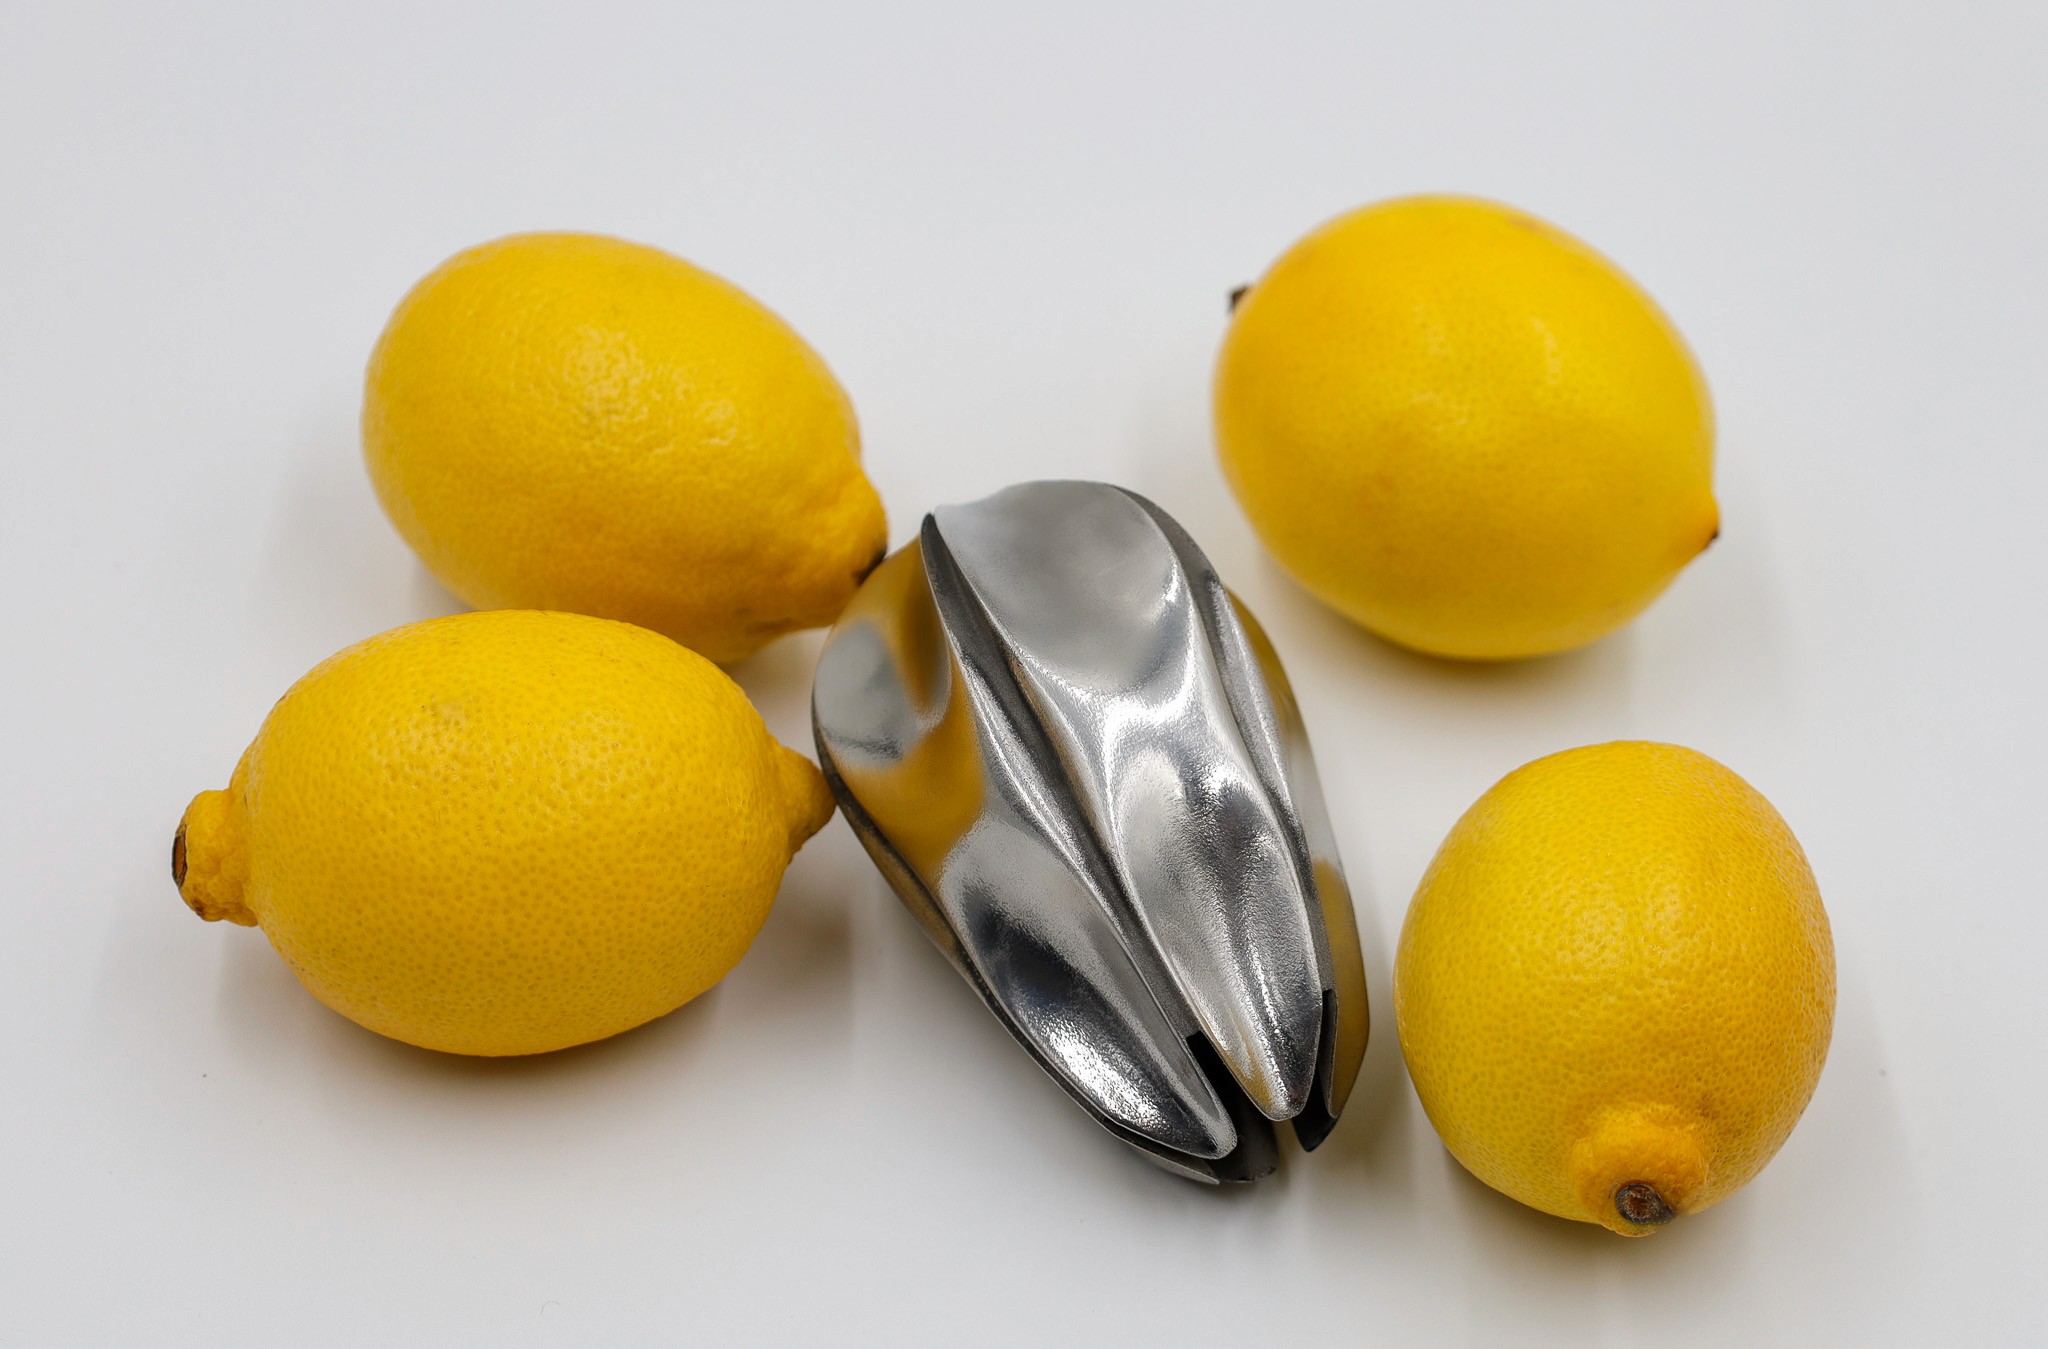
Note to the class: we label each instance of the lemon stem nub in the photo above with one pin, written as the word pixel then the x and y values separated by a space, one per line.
pixel 1638 1202
pixel 207 862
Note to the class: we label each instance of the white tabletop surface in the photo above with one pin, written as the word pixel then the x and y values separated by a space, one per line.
pixel 1012 235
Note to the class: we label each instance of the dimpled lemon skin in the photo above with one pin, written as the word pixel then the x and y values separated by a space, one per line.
pixel 1616 984
pixel 572 422
pixel 505 832
pixel 1465 430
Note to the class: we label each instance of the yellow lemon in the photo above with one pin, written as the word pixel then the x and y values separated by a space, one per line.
pixel 1616 984
pixel 505 832
pixel 1465 429
pixel 565 421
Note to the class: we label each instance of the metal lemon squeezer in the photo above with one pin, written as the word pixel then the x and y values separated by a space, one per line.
pixel 1076 759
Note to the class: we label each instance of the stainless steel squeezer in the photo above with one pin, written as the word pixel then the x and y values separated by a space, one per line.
pixel 1076 759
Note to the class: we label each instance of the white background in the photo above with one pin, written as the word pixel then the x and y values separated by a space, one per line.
pixel 1012 235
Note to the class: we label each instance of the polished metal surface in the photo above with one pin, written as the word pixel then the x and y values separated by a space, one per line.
pixel 1078 762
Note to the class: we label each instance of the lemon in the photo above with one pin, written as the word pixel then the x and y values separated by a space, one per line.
pixel 1615 985
pixel 1465 429
pixel 505 832
pixel 566 421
